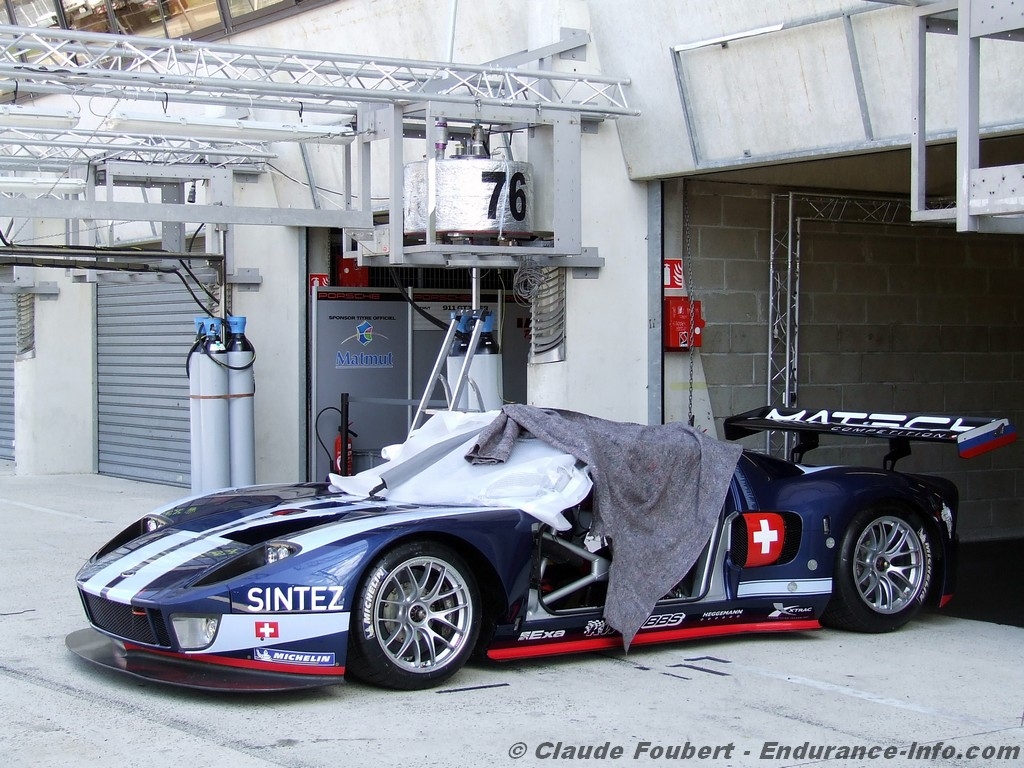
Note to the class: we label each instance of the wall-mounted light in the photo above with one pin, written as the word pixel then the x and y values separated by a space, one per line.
pixel 17 116
pixel 224 128
pixel 42 185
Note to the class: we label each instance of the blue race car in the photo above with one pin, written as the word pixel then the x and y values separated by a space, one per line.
pixel 523 533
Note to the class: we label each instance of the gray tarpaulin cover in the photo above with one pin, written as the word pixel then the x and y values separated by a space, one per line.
pixel 658 492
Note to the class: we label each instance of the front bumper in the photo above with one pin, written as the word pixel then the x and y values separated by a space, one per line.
pixel 190 671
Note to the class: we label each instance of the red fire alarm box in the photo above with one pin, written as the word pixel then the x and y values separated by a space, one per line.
pixel 676 322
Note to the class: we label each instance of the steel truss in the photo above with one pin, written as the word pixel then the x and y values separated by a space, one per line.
pixel 59 150
pixel 789 211
pixel 123 67
pixel 381 98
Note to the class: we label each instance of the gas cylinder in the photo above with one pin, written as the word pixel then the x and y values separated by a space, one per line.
pixel 241 357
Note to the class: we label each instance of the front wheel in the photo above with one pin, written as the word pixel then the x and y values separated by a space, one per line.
pixel 416 618
pixel 882 572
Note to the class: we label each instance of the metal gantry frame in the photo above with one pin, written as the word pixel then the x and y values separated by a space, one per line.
pixel 381 98
pixel 789 211
pixel 988 199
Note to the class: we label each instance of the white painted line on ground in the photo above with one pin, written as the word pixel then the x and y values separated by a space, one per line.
pixel 874 698
pixel 49 511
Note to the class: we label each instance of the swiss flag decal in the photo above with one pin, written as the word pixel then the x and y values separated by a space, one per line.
pixel 765 533
pixel 267 630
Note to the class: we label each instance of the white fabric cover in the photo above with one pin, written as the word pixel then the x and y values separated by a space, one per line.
pixel 539 479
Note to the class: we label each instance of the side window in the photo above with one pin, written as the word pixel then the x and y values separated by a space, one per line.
pixel 165 18
pixel 148 18
pixel 87 15
pixel 35 13
pixel 240 8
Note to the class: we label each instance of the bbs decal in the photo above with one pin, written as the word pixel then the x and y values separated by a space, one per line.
pixel 664 620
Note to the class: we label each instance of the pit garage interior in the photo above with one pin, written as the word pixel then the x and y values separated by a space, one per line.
pixel 812 203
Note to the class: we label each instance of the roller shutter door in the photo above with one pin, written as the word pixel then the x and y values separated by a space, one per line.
pixel 8 334
pixel 143 334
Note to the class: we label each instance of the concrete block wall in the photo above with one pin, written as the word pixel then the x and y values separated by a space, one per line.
pixel 892 319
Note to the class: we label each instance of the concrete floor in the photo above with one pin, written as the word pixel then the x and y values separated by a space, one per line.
pixel 945 689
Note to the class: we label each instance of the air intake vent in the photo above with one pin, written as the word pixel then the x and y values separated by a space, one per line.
pixel 547 316
pixel 139 625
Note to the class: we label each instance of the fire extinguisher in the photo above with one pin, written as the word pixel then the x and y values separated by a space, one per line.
pixel 342 463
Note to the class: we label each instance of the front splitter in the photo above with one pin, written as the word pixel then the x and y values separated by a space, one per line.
pixel 104 651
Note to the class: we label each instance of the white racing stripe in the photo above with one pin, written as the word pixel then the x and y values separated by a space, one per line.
pixel 152 561
pixel 785 587
pixel 319 538
pixel 136 558
pixel 241 631
pixel 158 550
pixel 131 585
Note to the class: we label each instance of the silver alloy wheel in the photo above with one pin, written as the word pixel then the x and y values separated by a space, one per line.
pixel 423 614
pixel 888 564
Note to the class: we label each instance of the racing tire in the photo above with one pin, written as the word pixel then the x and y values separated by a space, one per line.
pixel 882 572
pixel 416 618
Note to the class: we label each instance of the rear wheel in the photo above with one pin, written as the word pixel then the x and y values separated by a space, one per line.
pixel 882 572
pixel 416 618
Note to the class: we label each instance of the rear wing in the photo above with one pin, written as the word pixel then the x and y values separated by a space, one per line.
pixel 973 435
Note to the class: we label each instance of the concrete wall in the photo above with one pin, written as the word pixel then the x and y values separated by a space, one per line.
pixel 892 318
pixel 812 87
pixel 55 382
pixel 276 324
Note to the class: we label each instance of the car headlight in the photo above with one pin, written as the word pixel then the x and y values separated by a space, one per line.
pixel 195 632
pixel 151 522
pixel 279 550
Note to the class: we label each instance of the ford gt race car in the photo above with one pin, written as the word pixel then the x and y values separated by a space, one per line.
pixel 527 532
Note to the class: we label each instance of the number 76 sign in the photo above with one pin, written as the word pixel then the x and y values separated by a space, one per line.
pixel 471 196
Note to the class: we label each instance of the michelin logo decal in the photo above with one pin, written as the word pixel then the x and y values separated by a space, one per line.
pixel 272 656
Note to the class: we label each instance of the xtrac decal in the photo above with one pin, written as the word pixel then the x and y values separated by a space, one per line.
pixel 294 599
pixel 783 611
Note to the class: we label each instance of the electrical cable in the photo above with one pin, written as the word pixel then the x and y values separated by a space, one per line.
pixel 405 295
pixel 190 291
pixel 316 431
pixel 527 281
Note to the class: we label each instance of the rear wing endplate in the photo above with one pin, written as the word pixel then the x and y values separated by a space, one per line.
pixel 973 435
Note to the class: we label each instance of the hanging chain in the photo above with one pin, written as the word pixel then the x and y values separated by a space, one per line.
pixel 688 266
